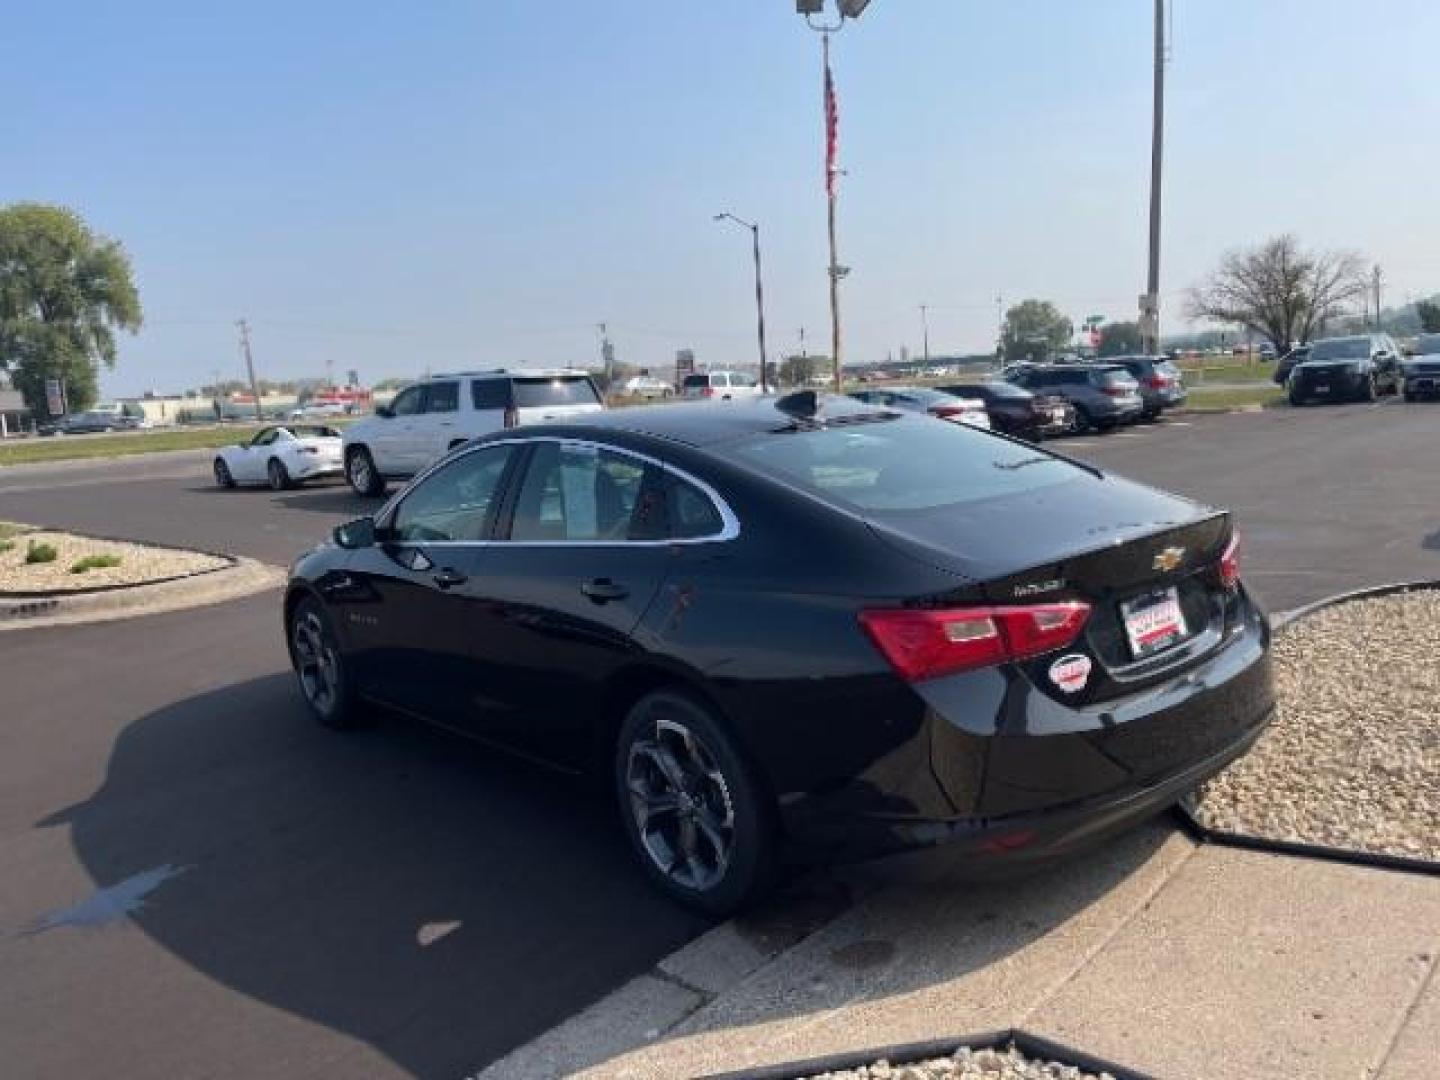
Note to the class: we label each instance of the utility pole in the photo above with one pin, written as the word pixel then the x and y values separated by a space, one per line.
pixel 1377 275
pixel 250 367
pixel 754 227
pixel 835 271
pixel 925 331
pixel 1150 303
pixel 607 355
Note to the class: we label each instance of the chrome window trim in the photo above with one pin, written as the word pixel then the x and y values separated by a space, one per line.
pixel 729 527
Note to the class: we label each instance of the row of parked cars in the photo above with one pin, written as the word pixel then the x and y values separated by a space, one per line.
pixel 1360 367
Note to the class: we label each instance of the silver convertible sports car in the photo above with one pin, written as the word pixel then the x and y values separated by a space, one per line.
pixel 281 456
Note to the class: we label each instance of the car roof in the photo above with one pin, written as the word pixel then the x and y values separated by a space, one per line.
pixel 499 373
pixel 703 424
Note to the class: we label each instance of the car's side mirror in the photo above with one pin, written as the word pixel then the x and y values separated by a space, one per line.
pixel 352 535
pixel 384 412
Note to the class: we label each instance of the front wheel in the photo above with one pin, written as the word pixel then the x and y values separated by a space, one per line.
pixel 319 666
pixel 222 474
pixel 697 817
pixel 360 471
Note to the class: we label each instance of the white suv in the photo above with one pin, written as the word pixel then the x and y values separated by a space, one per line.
pixel 431 418
pixel 720 386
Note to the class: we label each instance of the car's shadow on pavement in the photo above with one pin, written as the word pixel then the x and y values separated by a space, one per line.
pixel 438 902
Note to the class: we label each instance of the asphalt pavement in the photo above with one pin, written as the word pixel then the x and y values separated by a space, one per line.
pixel 396 902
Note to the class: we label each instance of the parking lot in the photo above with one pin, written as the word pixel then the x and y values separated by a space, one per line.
pixel 317 877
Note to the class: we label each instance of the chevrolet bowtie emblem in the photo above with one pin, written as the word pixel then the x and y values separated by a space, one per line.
pixel 1169 559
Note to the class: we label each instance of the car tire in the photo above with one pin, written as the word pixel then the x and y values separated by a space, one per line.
pixel 1409 396
pixel 320 666
pixel 278 475
pixel 361 473
pixel 1368 392
pixel 1296 401
pixel 698 819
pixel 222 474
pixel 1083 423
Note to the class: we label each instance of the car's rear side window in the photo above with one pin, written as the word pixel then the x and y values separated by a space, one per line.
pixel 692 515
pixel 898 466
pixel 556 390
pixel 487 394
pixel 577 493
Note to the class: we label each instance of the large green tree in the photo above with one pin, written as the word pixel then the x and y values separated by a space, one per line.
pixel 1429 313
pixel 1120 339
pixel 1033 330
pixel 64 292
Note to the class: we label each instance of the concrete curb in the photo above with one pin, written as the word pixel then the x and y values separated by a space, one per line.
pixel 244 577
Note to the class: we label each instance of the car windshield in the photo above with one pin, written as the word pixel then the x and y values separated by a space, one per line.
pixel 1427 345
pixel 560 390
pixel 900 466
pixel 1349 348
pixel 313 431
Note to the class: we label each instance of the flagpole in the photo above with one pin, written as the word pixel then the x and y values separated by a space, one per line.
pixel 831 169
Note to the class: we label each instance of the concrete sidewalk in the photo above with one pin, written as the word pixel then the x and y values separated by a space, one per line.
pixel 1180 961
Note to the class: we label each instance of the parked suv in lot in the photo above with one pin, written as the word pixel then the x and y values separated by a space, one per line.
pixel 1358 368
pixel 720 385
pixel 1161 384
pixel 1421 371
pixel 1104 395
pixel 431 418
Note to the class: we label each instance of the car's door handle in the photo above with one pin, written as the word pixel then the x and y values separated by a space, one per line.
pixel 602 590
pixel 447 578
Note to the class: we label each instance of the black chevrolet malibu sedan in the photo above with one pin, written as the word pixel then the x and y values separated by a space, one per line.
pixel 800 629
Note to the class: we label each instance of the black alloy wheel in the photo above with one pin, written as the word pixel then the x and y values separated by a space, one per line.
pixel 279 475
pixel 222 474
pixel 692 808
pixel 319 666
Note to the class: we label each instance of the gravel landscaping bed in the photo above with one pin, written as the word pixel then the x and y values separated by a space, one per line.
pixel 1353 757
pixel 138 564
pixel 967 1064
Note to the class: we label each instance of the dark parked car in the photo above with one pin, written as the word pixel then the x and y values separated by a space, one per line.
pixel 1358 368
pixel 1017 411
pixel 1162 386
pixel 1421 370
pixel 1287 363
pixel 84 423
pixel 1104 395
pixel 800 629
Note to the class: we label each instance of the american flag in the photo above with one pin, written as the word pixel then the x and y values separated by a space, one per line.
pixel 832 129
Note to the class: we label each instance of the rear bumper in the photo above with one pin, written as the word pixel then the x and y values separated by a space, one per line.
pixel 1028 779
pixel 1422 384
pixel 320 468
pixel 1337 385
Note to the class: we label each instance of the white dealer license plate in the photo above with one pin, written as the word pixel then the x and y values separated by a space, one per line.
pixel 1057 416
pixel 1153 622
pixel 1322 388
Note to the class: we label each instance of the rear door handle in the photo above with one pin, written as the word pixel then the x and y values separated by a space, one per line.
pixel 448 578
pixel 602 590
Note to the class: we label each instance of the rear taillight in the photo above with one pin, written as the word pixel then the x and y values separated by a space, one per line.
pixel 925 644
pixel 512 417
pixel 1157 382
pixel 1116 391
pixel 1230 562
pixel 947 412
pixel 709 391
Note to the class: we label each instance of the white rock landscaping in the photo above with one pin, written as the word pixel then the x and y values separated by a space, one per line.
pixel 1353 758
pixel 968 1064
pixel 138 565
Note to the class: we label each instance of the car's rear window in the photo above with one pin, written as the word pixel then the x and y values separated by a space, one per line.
pixel 697 380
pixel 903 465
pixel 1351 348
pixel 1110 377
pixel 554 390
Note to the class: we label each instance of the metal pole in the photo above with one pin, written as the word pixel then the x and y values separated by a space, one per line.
pixel 835 346
pixel 1151 345
pixel 925 331
pixel 760 308
pixel 1377 276
pixel 250 368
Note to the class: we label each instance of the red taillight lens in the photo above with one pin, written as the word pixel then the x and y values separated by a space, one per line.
pixel 709 391
pixel 1230 562
pixel 946 412
pixel 1157 382
pixel 1117 391
pixel 926 644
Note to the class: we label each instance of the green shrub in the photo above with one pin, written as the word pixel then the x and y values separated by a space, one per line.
pixel 38 553
pixel 94 562
pixel 6 545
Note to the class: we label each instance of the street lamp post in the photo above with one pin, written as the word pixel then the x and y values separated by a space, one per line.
pixel 754 228
pixel 848 9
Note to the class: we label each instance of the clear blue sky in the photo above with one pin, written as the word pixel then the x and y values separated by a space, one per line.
pixel 401 186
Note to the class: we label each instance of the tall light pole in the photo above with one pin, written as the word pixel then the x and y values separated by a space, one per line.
pixel 848 9
pixel 1150 302
pixel 754 228
pixel 244 326
pixel 925 331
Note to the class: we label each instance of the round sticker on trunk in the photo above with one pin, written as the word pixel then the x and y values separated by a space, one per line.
pixel 1071 673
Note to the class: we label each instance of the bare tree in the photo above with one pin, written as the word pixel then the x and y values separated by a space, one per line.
pixel 1279 291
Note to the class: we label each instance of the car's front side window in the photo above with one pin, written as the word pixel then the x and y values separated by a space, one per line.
pixel 579 493
pixel 455 503
pixel 408 402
